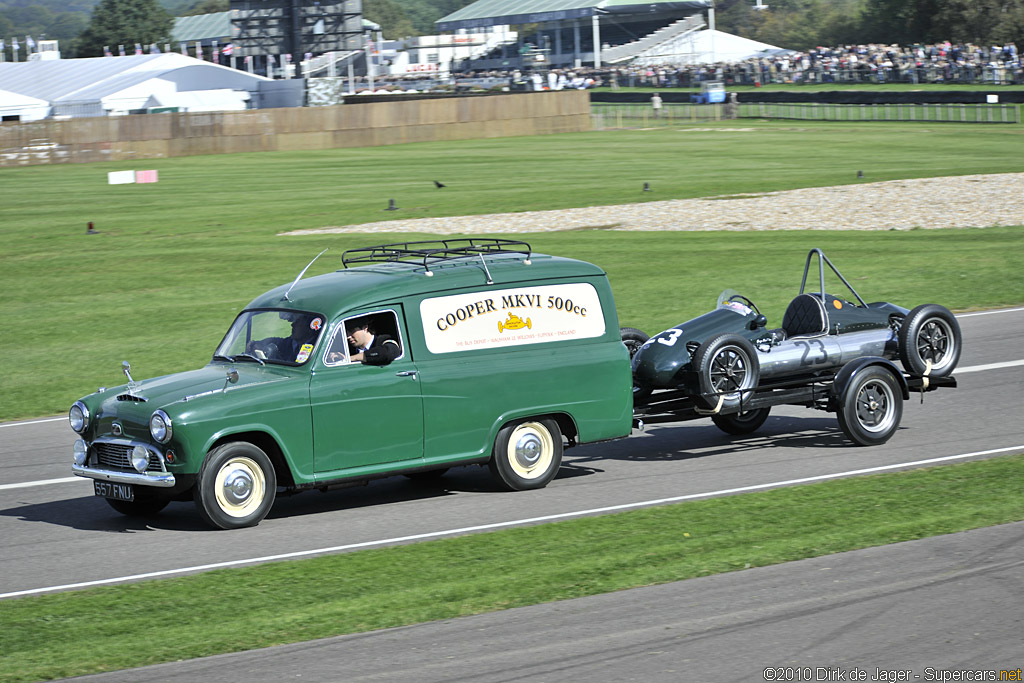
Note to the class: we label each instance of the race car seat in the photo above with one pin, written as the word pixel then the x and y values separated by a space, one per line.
pixel 805 317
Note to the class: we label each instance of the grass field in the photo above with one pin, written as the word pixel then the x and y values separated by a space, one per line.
pixel 126 626
pixel 174 261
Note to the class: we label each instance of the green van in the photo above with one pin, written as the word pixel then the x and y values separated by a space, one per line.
pixel 411 359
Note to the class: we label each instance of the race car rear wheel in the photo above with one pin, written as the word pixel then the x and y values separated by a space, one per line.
pixel 527 454
pixel 871 407
pixel 930 334
pixel 746 422
pixel 726 368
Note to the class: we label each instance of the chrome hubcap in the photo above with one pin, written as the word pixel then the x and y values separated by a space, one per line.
pixel 237 487
pixel 528 450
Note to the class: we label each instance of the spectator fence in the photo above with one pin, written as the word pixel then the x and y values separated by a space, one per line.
pixel 610 116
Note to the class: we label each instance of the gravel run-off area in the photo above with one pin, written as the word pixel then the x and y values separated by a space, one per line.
pixel 947 202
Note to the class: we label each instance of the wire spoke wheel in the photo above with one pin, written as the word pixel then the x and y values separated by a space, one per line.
pixel 727 367
pixel 929 341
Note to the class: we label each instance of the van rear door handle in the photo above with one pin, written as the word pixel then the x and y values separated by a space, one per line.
pixel 406 373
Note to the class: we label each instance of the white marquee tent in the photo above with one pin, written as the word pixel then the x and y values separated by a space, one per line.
pixel 117 85
pixel 708 47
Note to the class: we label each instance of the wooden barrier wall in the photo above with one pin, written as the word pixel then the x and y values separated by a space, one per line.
pixel 370 124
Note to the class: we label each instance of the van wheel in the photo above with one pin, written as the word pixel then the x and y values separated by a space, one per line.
pixel 527 454
pixel 236 486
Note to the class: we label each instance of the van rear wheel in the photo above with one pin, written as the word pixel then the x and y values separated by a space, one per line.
pixel 527 454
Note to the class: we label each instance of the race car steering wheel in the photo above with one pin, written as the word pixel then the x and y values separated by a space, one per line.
pixel 745 300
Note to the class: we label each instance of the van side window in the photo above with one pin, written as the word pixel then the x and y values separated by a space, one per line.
pixel 373 338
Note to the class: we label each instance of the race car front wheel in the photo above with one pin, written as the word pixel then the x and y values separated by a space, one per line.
pixel 727 368
pixel 929 341
pixel 633 339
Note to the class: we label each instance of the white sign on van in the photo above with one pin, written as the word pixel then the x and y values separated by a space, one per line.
pixel 511 317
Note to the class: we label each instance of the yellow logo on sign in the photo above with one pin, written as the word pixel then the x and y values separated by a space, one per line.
pixel 514 322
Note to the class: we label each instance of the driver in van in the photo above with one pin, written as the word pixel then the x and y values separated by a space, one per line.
pixel 288 348
pixel 368 347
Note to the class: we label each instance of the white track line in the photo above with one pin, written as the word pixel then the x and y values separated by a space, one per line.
pixel 41 482
pixel 32 422
pixel 990 366
pixel 502 525
pixel 1004 310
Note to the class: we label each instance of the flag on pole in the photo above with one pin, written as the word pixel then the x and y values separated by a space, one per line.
pixel 228 50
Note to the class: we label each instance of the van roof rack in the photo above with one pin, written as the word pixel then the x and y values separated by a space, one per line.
pixel 432 251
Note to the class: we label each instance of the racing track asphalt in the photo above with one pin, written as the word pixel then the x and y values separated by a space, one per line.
pixel 46 519
pixel 948 603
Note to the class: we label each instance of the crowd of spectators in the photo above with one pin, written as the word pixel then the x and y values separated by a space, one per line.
pixel 939 63
pixel 873 63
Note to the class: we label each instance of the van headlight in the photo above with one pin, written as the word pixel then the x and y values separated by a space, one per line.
pixel 78 416
pixel 160 427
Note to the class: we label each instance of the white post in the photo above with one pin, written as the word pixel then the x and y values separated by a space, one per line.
pixel 711 27
pixel 369 62
pixel 596 25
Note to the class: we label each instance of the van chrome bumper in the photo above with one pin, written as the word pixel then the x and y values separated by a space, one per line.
pixel 158 479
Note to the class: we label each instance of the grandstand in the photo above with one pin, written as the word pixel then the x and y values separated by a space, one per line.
pixel 572 33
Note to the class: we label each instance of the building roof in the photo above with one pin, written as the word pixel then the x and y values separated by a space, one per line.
pixel 500 12
pixel 91 79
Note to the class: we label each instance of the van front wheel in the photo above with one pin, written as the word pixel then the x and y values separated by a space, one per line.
pixel 527 454
pixel 236 486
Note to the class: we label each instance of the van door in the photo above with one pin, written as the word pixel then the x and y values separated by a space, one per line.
pixel 365 416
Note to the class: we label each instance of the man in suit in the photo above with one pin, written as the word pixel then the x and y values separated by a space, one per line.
pixel 368 347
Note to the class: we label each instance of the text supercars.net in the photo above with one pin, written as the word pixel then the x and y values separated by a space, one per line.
pixel 829 673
